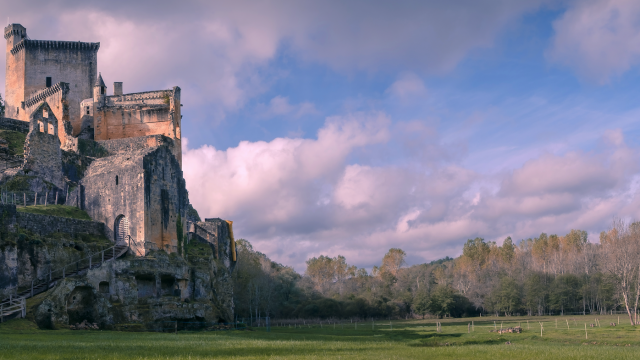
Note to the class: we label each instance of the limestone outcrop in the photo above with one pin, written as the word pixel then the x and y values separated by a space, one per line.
pixel 149 291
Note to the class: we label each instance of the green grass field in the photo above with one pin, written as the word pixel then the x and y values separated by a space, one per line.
pixel 20 339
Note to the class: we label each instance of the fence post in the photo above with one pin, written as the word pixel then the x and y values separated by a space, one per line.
pixel 35 199
pixel 56 198
pixel 24 308
pixel 113 250
pixel 25 198
pixel 46 197
pixel 31 288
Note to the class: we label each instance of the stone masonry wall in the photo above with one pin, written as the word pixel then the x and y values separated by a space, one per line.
pixel 165 198
pixel 145 185
pixel 76 65
pixel 217 233
pixel 141 114
pixel 105 198
pixel 42 154
pixel 136 143
pixel 44 225
pixel 14 125
pixel 14 75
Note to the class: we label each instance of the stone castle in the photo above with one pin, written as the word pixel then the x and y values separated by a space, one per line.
pixel 118 157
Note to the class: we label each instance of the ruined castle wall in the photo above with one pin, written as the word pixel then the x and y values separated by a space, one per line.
pixel 63 62
pixel 165 197
pixel 198 233
pixel 57 99
pixel 221 235
pixel 42 154
pixel 105 198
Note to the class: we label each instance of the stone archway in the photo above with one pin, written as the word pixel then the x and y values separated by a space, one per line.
pixel 121 229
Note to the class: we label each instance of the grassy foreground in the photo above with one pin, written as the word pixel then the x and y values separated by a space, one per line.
pixel 20 339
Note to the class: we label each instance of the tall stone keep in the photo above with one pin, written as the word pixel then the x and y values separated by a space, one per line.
pixel 34 67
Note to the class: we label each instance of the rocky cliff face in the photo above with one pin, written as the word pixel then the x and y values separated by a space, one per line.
pixel 147 292
pixel 142 292
pixel 26 256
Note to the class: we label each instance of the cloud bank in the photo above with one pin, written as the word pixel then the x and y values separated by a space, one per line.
pixel 599 39
pixel 296 198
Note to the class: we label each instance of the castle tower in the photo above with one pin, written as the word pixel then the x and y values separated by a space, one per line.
pixel 36 68
pixel 14 33
pixel 15 70
pixel 99 91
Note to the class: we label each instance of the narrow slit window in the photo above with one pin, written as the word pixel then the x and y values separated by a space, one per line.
pixel 116 179
pixel 48 81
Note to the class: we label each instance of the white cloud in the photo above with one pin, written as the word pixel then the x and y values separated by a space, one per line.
pixel 408 86
pixel 217 51
pixel 599 39
pixel 296 198
pixel 280 106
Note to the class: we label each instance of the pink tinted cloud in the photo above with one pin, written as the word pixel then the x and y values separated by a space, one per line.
pixel 218 50
pixel 599 39
pixel 296 198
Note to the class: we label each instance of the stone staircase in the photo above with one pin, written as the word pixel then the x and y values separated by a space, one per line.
pixel 15 304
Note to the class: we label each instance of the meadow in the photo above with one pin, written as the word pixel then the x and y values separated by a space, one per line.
pixel 20 339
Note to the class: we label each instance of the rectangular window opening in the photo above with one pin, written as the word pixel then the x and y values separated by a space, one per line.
pixel 48 81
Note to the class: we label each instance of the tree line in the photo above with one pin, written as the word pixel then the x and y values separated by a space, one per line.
pixel 548 274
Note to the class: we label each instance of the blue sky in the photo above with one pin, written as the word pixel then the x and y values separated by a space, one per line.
pixel 353 127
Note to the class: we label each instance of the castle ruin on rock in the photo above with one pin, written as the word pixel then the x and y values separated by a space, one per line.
pixel 118 158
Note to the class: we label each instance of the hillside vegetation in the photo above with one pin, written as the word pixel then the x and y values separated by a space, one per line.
pixel 56 210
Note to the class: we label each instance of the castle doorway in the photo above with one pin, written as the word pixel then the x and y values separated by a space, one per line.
pixel 122 229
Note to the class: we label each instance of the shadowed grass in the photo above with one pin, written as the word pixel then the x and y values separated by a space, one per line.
pixel 407 340
pixel 56 210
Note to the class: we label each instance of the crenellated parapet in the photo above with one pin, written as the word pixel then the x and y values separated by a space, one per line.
pixel 53 44
pixel 13 30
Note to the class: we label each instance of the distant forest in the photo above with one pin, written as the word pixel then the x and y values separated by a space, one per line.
pixel 549 274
